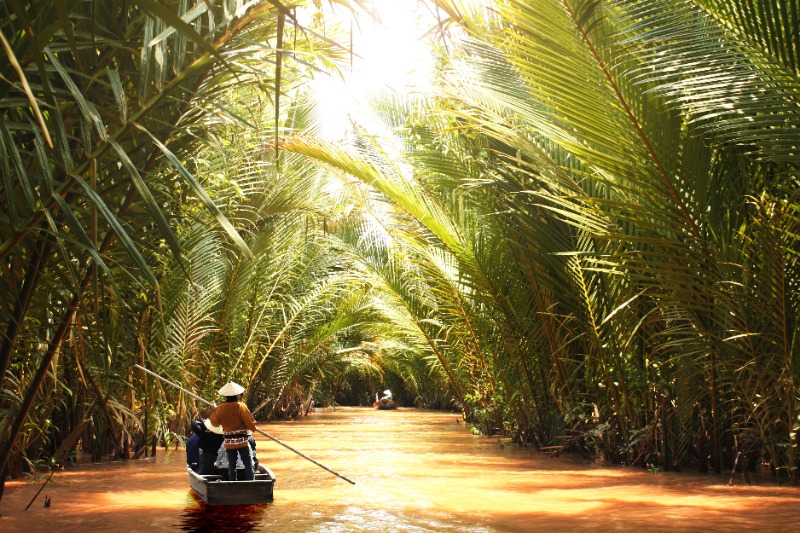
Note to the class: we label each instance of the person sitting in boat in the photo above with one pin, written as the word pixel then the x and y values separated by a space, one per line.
pixel 252 442
pixel 387 395
pixel 235 419
pixel 193 450
pixel 209 441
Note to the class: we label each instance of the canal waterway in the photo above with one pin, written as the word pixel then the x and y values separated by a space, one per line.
pixel 414 471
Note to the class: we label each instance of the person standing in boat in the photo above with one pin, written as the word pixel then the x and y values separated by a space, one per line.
pixel 235 419
pixel 222 457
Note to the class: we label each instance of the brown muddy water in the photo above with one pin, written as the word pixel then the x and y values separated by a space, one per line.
pixel 415 471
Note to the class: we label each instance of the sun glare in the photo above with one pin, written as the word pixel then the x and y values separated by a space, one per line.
pixel 390 53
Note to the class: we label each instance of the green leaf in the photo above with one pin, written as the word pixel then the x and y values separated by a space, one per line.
pixel 119 231
pixel 201 193
pixel 149 200
pixel 180 25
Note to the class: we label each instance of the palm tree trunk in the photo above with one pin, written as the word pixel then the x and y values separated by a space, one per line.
pixel 22 305
pixel 55 344
pixel 790 449
pixel 53 347
pixel 716 443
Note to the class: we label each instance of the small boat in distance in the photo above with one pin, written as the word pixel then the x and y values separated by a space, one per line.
pixel 385 402
pixel 216 491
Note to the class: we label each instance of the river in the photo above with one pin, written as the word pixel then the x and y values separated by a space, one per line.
pixel 414 471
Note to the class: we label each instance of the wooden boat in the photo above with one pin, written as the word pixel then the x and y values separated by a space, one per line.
pixel 384 404
pixel 215 491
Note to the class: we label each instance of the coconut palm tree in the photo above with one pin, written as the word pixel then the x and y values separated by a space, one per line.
pixel 104 104
pixel 621 159
pixel 655 161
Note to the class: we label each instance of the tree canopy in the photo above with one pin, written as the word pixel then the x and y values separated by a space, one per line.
pixel 583 234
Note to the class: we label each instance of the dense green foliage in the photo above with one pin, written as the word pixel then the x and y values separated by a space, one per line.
pixel 584 235
pixel 143 213
pixel 606 204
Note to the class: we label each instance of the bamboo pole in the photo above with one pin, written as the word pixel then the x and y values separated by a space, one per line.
pixel 196 397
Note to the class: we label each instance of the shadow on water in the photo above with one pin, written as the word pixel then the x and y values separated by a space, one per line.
pixel 201 517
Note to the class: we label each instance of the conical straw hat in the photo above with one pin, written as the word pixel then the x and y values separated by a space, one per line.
pixel 231 389
pixel 211 428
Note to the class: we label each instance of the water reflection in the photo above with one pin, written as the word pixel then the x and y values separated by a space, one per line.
pixel 416 471
pixel 200 517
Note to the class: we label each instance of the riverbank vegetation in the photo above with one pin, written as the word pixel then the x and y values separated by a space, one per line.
pixel 583 234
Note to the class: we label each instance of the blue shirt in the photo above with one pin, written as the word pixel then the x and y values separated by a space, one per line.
pixel 193 449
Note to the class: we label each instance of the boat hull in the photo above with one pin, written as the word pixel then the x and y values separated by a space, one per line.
pixel 385 405
pixel 214 491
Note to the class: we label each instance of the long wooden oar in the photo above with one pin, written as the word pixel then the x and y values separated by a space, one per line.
pixel 44 485
pixel 196 397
